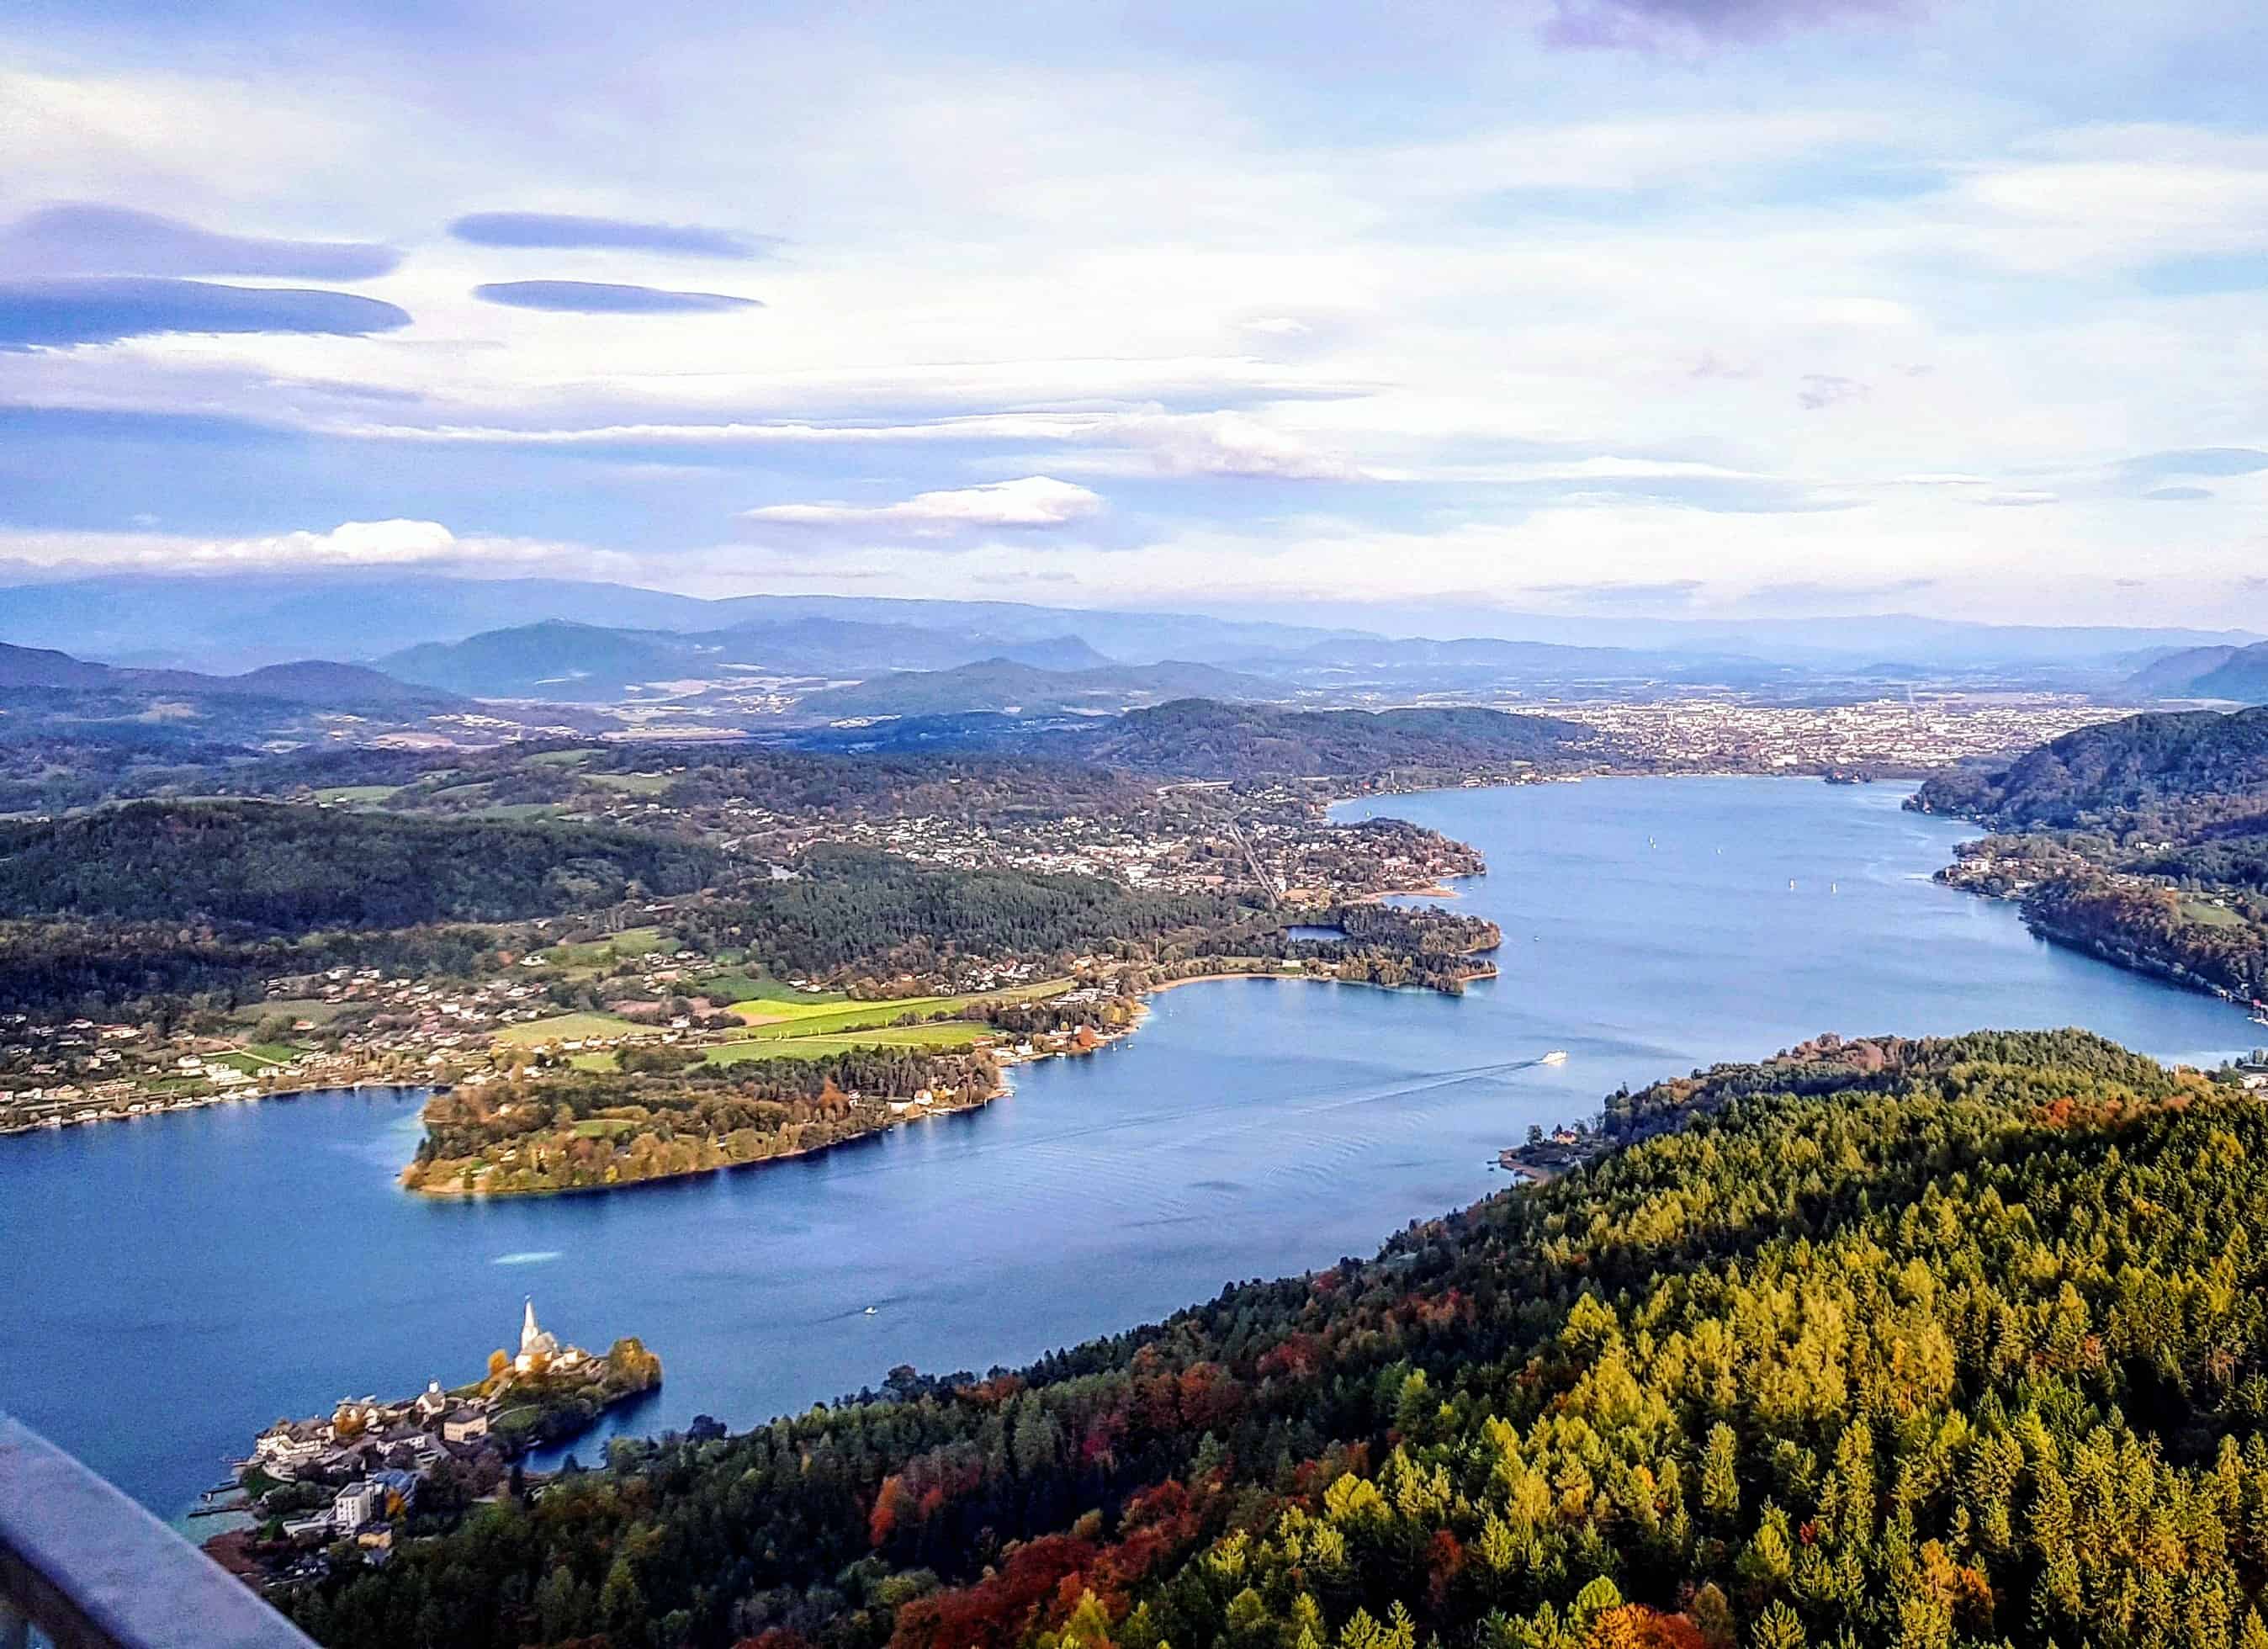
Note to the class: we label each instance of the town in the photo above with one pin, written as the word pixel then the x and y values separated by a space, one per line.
pixel 317 1493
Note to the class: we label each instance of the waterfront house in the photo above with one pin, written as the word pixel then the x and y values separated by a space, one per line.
pixel 465 1425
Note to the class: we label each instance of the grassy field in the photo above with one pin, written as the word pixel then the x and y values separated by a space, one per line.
pixel 313 1009
pixel 564 1028
pixel 357 794
pixel 954 1034
pixel 596 953
pixel 558 758
pixel 808 1016
pixel 633 784
pixel 763 993
pixel 2212 914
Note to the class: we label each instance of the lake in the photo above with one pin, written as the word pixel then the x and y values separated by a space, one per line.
pixel 174 1284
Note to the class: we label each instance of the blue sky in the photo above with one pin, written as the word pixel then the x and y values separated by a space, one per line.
pixel 1681 306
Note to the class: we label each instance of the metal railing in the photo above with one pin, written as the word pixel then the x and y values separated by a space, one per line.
pixel 88 1569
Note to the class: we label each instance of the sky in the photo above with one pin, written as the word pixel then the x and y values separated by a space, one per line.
pixel 1673 307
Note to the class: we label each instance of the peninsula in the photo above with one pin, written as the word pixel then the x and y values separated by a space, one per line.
pixel 326 1491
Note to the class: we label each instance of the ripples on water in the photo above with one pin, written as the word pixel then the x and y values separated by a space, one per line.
pixel 177 1283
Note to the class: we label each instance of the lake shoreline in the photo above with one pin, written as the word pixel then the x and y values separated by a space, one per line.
pixel 1243 1134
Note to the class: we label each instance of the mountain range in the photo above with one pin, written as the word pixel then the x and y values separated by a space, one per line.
pixel 1006 686
pixel 2239 673
pixel 304 681
pixel 235 621
pixel 559 659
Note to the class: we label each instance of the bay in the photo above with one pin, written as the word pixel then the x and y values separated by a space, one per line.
pixel 174 1284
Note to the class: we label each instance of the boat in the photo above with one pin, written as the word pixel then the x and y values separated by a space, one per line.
pixel 1556 1057
pixel 868 1312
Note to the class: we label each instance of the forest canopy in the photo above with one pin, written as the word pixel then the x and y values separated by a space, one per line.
pixel 266 868
pixel 1924 1342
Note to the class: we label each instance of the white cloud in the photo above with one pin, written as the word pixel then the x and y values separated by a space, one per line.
pixel 400 543
pixel 1034 501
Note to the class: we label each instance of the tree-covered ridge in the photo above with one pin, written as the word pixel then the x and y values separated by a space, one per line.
pixel 2140 762
pixel 855 906
pixel 1961 1343
pixel 1200 738
pixel 264 868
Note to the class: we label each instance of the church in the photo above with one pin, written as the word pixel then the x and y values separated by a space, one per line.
pixel 537 1349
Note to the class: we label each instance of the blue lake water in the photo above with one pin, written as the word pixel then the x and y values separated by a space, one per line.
pixel 172 1284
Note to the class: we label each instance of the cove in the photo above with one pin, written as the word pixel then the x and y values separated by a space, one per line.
pixel 172 1284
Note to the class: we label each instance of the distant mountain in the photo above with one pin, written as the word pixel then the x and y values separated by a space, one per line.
pixel 61 715
pixel 1418 652
pixel 2240 674
pixel 308 681
pixel 235 621
pixel 1481 665
pixel 43 666
pixel 578 663
pixel 231 621
pixel 553 659
pixel 1835 642
pixel 324 681
pixel 1004 685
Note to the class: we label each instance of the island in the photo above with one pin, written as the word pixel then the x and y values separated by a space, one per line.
pixel 316 1493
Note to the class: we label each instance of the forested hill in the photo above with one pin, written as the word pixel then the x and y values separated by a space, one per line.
pixel 2141 761
pixel 1962 1342
pixel 275 869
pixel 1202 738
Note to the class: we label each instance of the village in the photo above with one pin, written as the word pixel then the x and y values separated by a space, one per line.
pixel 316 1493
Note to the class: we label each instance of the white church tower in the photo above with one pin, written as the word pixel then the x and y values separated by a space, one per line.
pixel 534 1343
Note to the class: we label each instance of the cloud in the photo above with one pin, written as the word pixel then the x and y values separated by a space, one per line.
pixel 1181 446
pixel 397 543
pixel 2178 495
pixel 1648 24
pixel 1821 390
pixel 1172 444
pixel 86 237
pixel 105 309
pixel 607 297
pixel 1034 501
pixel 565 231
pixel 2198 460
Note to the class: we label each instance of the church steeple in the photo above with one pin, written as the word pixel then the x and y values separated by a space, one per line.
pixel 529 1334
